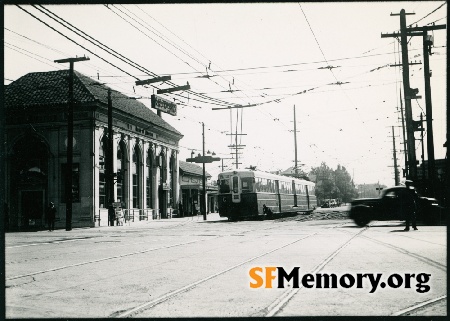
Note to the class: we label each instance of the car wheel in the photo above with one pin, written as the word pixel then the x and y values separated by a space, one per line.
pixel 362 221
pixel 361 216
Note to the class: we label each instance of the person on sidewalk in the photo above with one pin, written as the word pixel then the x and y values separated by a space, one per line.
pixel 51 216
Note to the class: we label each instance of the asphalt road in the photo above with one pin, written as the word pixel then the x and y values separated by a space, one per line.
pixel 187 267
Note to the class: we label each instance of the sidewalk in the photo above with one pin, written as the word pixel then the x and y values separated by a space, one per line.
pixel 195 218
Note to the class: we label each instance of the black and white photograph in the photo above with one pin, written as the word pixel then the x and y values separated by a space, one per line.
pixel 224 160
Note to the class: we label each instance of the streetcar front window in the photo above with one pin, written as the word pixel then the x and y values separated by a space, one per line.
pixel 224 186
pixel 235 184
pixel 247 184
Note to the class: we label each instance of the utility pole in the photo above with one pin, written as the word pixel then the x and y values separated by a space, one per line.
pixel 203 159
pixel 405 150
pixel 396 178
pixel 423 151
pixel 109 163
pixel 409 94
pixel 295 142
pixel 69 165
pixel 203 200
pixel 222 162
pixel 236 147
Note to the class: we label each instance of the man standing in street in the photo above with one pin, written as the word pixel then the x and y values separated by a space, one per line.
pixel 410 205
pixel 51 216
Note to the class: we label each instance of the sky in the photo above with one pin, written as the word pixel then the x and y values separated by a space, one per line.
pixel 269 57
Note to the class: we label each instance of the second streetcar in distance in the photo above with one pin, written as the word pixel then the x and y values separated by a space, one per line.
pixel 245 193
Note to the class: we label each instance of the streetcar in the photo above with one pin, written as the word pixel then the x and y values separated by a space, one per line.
pixel 246 194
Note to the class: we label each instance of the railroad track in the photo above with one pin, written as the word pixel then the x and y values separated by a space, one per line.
pixel 271 310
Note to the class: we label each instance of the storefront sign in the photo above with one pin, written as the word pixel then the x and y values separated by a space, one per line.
pixel 164 105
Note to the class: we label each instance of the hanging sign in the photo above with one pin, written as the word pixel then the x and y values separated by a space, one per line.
pixel 164 105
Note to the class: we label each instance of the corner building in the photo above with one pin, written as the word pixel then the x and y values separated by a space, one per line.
pixel 145 153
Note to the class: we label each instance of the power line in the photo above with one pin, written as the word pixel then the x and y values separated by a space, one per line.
pixel 103 48
pixel 40 20
pixel 429 13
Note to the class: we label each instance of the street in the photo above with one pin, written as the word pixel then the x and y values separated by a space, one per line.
pixel 187 267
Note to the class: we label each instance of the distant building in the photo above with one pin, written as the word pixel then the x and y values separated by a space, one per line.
pixel 191 187
pixel 145 152
pixel 369 190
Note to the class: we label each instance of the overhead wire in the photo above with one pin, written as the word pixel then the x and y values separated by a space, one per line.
pixel 40 20
pixel 96 43
pixel 443 4
pixel 193 92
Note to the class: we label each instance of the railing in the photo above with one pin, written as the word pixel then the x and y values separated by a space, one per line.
pixel 139 214
pixel 127 215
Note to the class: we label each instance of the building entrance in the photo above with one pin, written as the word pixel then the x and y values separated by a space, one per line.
pixel 32 208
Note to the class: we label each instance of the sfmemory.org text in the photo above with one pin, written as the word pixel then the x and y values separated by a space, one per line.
pixel 264 277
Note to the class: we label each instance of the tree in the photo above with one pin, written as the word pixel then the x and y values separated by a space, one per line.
pixel 333 183
pixel 345 184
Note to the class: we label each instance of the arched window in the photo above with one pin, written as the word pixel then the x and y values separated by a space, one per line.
pixel 136 174
pixel 121 173
pixel 102 175
pixel 149 191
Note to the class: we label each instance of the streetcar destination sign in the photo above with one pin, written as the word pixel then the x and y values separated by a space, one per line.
pixel 164 105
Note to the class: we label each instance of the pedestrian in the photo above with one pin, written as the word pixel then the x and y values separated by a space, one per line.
pixel 51 216
pixel 409 202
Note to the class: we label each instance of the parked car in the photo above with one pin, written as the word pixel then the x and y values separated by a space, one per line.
pixel 389 207
pixel 329 203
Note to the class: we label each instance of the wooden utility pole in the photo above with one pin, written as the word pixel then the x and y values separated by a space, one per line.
pixel 423 149
pixel 203 159
pixel 405 149
pixel 203 200
pixel 236 147
pixel 69 165
pixel 410 92
pixel 396 178
pixel 110 163
pixel 295 142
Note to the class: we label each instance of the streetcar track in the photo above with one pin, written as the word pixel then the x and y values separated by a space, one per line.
pixel 433 263
pixel 93 237
pixel 52 242
pixel 424 259
pixel 121 273
pixel 284 298
pixel 124 255
pixel 169 295
pixel 99 260
pixel 419 306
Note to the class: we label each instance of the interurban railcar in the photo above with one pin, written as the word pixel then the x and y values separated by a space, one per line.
pixel 253 193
